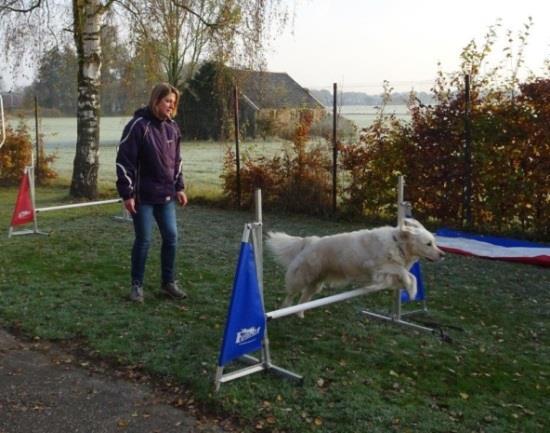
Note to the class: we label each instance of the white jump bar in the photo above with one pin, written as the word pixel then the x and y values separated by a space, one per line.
pixel 282 312
pixel 68 206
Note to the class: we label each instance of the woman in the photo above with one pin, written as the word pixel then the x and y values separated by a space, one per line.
pixel 150 181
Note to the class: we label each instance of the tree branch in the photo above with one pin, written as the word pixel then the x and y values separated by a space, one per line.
pixel 9 6
pixel 214 25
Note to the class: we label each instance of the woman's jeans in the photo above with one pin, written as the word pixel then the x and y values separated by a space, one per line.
pixel 165 216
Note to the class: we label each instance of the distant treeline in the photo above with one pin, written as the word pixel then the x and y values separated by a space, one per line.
pixel 359 98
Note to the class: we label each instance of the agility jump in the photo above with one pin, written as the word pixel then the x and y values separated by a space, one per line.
pixel 26 212
pixel 246 327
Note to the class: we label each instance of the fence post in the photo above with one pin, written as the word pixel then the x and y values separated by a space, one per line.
pixel 467 209
pixel 334 147
pixel 237 153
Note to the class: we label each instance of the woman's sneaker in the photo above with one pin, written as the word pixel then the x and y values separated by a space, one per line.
pixel 172 289
pixel 136 293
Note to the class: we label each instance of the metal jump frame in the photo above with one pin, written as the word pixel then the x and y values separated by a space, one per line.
pixel 264 363
pixel 29 171
pixel 396 313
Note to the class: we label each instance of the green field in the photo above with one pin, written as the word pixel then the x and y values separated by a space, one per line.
pixel 361 376
pixel 202 160
pixel 202 163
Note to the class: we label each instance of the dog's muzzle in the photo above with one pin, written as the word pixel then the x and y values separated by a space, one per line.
pixel 440 256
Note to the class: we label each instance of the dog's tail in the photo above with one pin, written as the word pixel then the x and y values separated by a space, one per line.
pixel 285 247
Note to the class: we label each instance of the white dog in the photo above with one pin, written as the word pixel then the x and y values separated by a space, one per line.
pixel 379 257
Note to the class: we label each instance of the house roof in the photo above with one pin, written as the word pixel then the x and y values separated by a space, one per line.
pixel 273 90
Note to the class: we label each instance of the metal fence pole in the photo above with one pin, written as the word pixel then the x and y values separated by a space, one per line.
pixel 237 151
pixel 334 146
pixel 467 213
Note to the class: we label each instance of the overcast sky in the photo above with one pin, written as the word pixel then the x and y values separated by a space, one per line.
pixel 360 43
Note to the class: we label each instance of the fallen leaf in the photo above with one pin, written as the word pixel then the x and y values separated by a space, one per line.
pixel 122 423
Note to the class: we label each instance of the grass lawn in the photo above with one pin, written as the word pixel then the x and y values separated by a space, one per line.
pixel 360 375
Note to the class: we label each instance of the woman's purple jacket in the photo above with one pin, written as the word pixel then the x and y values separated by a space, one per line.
pixel 148 163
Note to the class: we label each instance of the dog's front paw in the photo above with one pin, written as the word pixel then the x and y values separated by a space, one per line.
pixel 412 287
pixel 412 293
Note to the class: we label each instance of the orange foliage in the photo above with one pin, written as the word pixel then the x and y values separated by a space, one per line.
pixel 298 181
pixel 510 161
pixel 15 155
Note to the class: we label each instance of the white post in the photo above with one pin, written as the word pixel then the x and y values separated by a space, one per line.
pixel 400 200
pixel 257 236
pixel 30 173
pixel 258 241
pixel 396 313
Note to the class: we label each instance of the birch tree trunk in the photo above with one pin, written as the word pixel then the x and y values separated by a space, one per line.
pixel 87 21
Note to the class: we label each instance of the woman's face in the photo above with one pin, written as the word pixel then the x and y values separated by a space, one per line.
pixel 165 107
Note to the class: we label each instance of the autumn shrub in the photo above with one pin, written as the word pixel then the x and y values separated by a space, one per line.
pixel 434 161
pixel 513 154
pixel 298 180
pixel 44 172
pixel 369 167
pixel 15 155
pixel 510 153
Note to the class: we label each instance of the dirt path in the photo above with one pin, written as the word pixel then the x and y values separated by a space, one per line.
pixel 44 389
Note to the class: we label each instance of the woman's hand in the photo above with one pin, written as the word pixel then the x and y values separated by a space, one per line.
pixel 130 205
pixel 182 198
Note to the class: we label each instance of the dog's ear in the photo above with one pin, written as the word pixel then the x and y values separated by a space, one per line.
pixel 411 223
pixel 404 234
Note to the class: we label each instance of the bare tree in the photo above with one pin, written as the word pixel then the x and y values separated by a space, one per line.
pixel 177 32
pixel 169 36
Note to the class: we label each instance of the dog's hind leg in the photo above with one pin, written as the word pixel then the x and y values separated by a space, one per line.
pixel 307 294
pixel 293 288
pixel 288 301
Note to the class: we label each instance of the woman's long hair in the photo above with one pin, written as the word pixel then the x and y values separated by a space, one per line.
pixel 160 91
